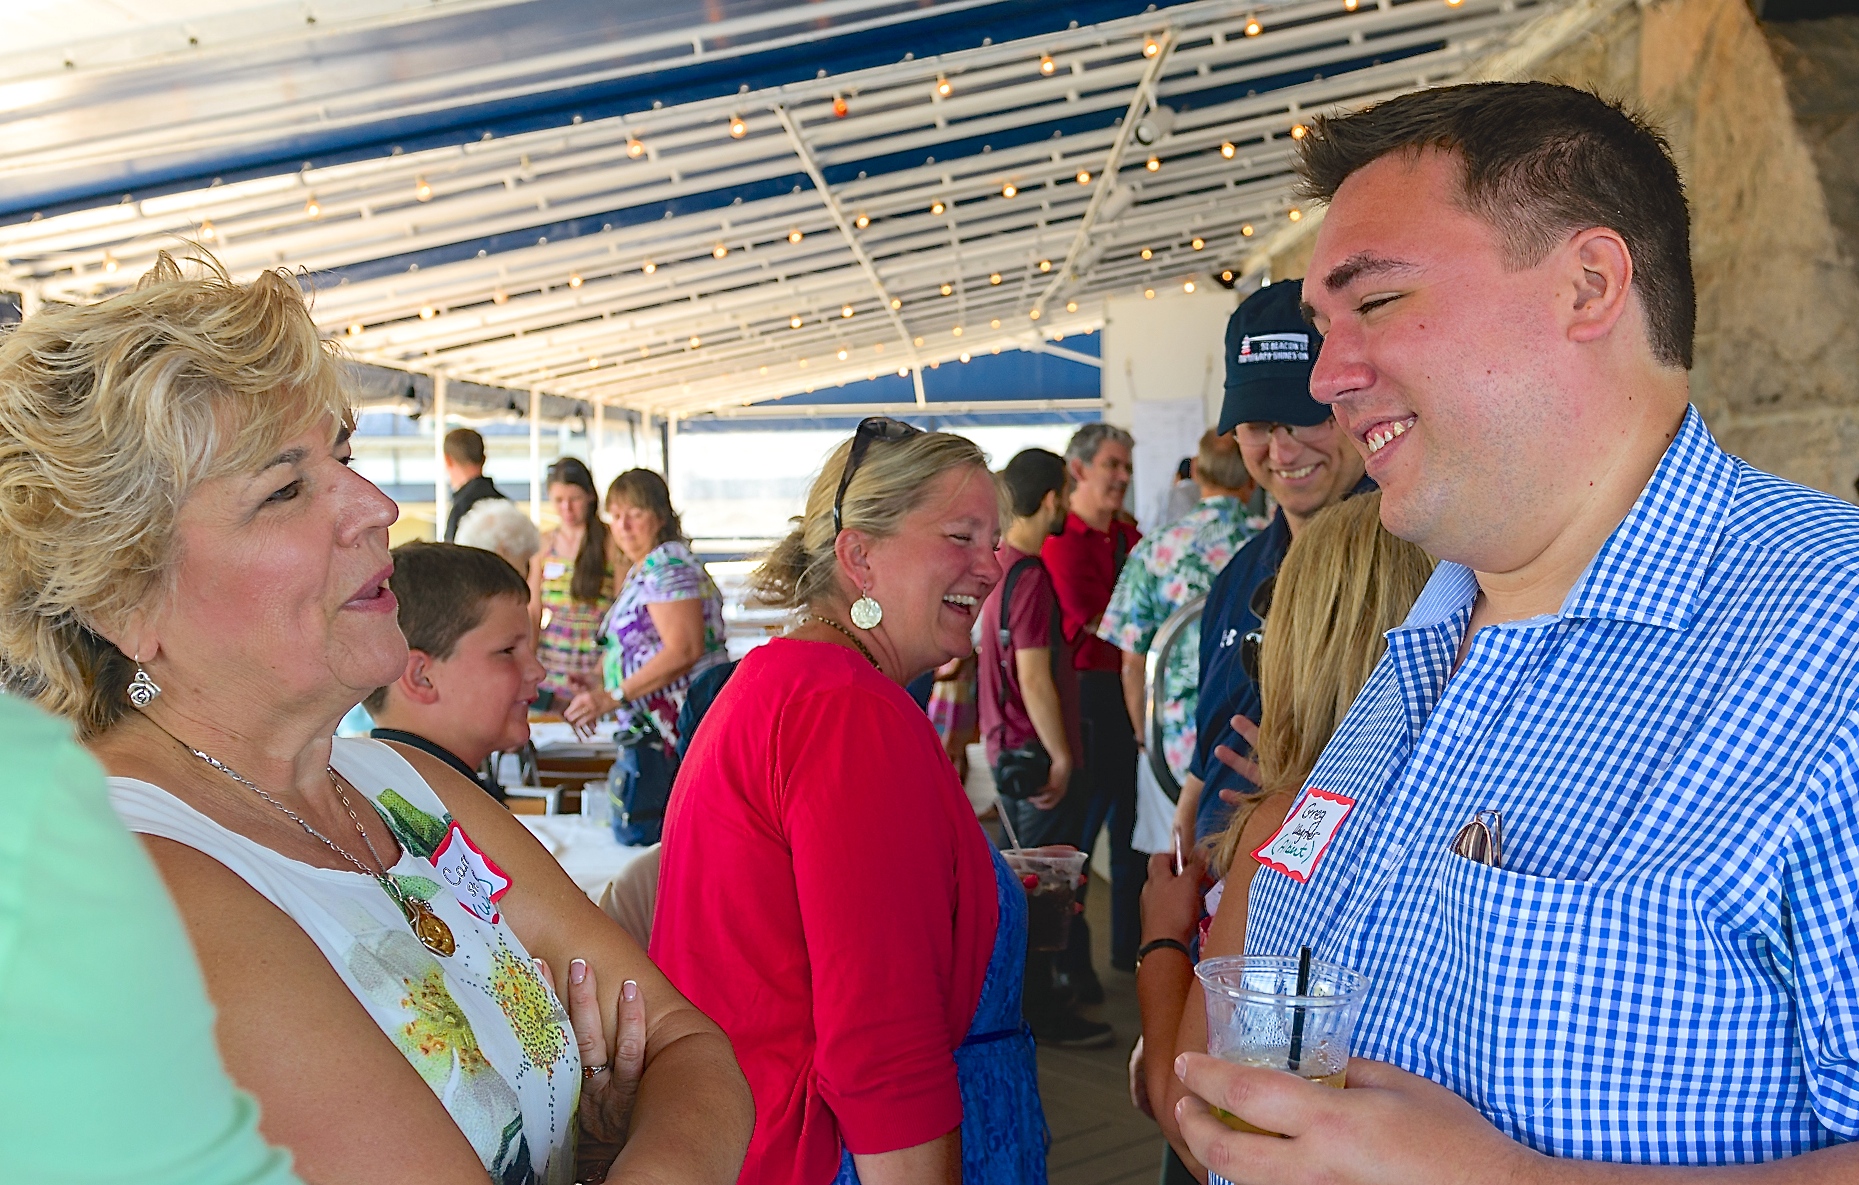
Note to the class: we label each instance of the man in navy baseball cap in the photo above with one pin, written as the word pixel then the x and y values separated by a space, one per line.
pixel 1293 450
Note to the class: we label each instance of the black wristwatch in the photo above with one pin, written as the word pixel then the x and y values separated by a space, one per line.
pixel 1162 944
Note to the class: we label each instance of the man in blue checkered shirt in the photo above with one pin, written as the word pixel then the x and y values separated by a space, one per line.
pixel 1640 652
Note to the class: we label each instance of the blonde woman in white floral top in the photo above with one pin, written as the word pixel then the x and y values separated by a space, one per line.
pixel 192 574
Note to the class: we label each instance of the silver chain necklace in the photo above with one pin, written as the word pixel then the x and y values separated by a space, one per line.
pixel 427 926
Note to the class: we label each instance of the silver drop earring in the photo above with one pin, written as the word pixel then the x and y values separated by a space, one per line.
pixel 866 613
pixel 142 689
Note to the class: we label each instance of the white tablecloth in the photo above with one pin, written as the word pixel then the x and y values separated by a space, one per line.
pixel 586 850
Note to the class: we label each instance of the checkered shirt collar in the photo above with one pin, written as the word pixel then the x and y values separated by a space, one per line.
pixel 1651 568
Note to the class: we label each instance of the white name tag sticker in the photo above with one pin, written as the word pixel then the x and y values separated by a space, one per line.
pixel 553 569
pixel 1306 834
pixel 474 879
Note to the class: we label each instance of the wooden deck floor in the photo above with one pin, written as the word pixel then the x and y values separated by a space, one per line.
pixel 1098 1138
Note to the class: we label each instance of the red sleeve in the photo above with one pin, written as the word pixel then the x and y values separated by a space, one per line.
pixel 1082 593
pixel 874 870
pixel 1029 618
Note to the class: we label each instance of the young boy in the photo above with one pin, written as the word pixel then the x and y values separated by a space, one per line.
pixel 471 659
pixel 1028 691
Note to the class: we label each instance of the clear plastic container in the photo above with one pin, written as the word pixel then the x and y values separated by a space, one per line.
pixel 1050 876
pixel 1255 1017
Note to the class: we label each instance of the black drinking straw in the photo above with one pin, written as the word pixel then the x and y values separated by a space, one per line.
pixel 1297 1011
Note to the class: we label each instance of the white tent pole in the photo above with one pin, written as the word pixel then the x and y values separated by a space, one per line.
pixel 536 492
pixel 441 488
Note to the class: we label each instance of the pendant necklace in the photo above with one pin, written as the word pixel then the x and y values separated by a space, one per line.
pixel 426 925
pixel 850 636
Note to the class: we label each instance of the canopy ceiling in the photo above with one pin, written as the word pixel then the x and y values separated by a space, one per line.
pixel 713 204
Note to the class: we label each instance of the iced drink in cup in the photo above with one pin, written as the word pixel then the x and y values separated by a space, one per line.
pixel 1050 877
pixel 1255 1017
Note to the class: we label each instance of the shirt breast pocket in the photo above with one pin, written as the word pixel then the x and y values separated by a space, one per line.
pixel 1512 958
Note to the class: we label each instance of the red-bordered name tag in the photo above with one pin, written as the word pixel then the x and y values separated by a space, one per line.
pixel 1306 834
pixel 475 880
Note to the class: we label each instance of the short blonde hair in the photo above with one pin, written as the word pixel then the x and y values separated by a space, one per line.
pixel 111 415
pixel 1345 582
pixel 888 484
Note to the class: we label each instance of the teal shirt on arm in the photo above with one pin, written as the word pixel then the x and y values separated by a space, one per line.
pixel 108 1068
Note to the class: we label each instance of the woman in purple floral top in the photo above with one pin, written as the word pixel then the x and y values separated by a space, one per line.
pixel 665 627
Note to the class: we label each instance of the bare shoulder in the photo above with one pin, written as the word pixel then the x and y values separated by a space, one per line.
pixel 331 1086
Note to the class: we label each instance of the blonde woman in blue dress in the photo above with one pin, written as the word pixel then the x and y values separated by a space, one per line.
pixel 189 570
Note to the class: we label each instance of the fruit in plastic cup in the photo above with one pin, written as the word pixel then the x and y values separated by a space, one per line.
pixel 1253 1012
pixel 1050 877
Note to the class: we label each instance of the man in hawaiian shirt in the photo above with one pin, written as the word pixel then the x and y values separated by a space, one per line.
pixel 1165 571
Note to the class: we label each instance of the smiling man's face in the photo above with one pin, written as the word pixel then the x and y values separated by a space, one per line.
pixel 1437 360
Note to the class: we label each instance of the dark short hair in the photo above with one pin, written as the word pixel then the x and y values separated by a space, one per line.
pixel 1539 162
pixel 444 590
pixel 647 490
pixel 465 446
pixel 1029 477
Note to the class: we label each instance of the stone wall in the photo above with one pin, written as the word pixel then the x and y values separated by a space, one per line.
pixel 1764 123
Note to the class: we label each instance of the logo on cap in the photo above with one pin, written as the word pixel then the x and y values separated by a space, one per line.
pixel 1274 347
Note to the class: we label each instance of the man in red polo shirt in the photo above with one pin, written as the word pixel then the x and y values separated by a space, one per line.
pixel 1084 560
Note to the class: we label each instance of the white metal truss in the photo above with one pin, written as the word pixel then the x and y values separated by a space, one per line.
pixel 965 250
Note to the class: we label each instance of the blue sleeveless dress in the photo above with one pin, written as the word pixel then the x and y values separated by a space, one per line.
pixel 1004 1134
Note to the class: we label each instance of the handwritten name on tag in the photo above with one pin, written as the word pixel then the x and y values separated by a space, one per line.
pixel 474 879
pixel 1306 834
pixel 553 569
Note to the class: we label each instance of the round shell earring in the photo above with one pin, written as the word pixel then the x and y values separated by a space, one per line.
pixel 866 613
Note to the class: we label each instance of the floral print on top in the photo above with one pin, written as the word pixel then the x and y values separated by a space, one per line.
pixel 1166 570
pixel 669 572
pixel 481 1027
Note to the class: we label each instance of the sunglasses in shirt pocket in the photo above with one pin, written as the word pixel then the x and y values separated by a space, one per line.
pixel 1507 987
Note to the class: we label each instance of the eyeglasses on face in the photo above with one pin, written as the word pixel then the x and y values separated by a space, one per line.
pixel 871 428
pixel 1252 643
pixel 1259 432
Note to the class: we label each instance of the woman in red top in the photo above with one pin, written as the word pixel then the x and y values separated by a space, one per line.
pixel 826 895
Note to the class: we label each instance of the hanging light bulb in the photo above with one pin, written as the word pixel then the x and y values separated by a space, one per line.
pixel 1152 164
pixel 1197 242
pixel 957 331
pixel 896 304
pixel 1148 294
pixel 840 109
pixel 1298 131
pixel 936 207
pixel 422 189
pixel 1226 277
pixel 794 322
pixel 1071 306
pixel 206 229
pixel 1253 27
pixel 696 341
pixel 312 208
pixel 1034 314
pixel 1045 265
pixel 1148 254
pixel 843 354
pixel 593 364
pixel 1349 5
pixel 574 280
pixel 1227 150
pixel 845 311
pixel 737 128
pixel 1246 230
pixel 635 147
pixel 1084 176
pixel 1151 47
pixel 1009 189
pixel 794 236
pixel 649 267
pixel 963 355
pixel 903 372
pixel 1188 287
pixel 862 221
pixel 499 296
pixel 718 251
pixel 428 313
pixel 943 89
pixel 948 289
pixel 109 263
pixel 355 329
pixel 1047 66
pixel 1294 213
pixel 995 278
pixel 995 323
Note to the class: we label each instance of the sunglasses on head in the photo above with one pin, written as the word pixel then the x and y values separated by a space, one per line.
pixel 871 428
pixel 1253 642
